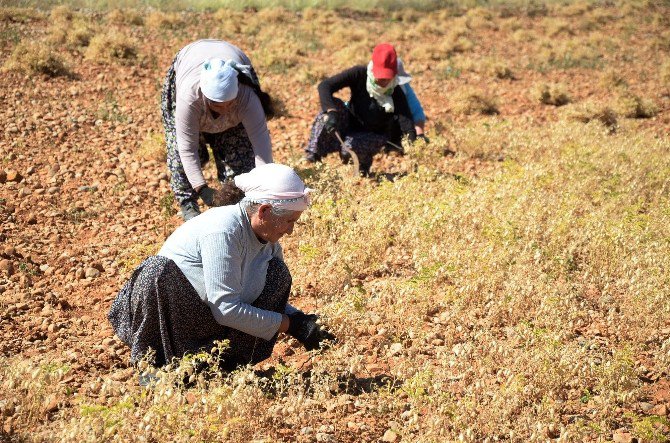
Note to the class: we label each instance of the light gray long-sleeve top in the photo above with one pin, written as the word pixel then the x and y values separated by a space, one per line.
pixel 227 265
pixel 192 115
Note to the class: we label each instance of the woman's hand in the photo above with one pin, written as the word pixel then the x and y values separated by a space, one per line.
pixel 306 330
pixel 207 195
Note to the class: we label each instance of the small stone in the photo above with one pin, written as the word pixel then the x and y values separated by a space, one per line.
pixel 622 437
pixel 552 432
pixel 646 407
pixel 25 281
pixel 8 426
pixel 91 273
pixel 660 410
pixel 390 436
pixel 7 266
pixel 13 176
pixel 324 437
pixel 108 342
pixel 32 219
pixel 395 349
pixel 3 176
pixel 50 404
pixel 52 190
pixel 123 375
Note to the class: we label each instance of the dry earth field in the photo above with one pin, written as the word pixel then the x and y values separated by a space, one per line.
pixel 508 281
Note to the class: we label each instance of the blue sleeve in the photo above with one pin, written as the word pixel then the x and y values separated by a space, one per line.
pixel 414 105
pixel 222 272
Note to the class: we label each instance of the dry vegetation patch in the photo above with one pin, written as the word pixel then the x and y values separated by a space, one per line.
pixel 37 58
pixel 551 94
pixel 475 102
pixel 590 111
pixel 111 46
pixel 124 17
pixel 631 105
pixel 162 20
pixel 505 282
pixel 19 15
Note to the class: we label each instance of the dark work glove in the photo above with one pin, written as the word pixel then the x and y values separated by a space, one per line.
pixel 207 195
pixel 303 328
pixel 330 119
pixel 423 137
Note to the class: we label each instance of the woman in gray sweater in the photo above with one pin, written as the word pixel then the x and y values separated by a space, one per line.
pixel 212 96
pixel 221 276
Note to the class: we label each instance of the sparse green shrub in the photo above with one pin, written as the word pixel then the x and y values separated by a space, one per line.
pixel 551 94
pixel 37 58
pixel 633 106
pixel 475 102
pixel 111 46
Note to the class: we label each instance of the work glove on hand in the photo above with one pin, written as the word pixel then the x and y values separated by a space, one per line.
pixel 423 137
pixel 207 195
pixel 304 328
pixel 330 119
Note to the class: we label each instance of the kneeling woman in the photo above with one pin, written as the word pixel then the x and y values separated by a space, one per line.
pixel 377 112
pixel 220 276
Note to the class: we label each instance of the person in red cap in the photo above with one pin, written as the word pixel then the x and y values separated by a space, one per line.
pixel 376 115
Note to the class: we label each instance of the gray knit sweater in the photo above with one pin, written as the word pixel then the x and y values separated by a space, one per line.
pixel 225 262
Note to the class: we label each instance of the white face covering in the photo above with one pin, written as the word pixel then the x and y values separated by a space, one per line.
pixel 381 95
pixel 275 184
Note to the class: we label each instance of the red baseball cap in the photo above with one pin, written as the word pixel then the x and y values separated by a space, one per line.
pixel 384 61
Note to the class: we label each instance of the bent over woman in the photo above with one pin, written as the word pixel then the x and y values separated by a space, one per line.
pixel 212 96
pixel 221 276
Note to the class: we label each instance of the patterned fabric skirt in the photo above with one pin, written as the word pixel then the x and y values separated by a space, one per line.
pixel 159 310
pixel 232 149
pixel 364 143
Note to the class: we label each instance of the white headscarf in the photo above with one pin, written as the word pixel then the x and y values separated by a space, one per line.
pixel 218 80
pixel 276 184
